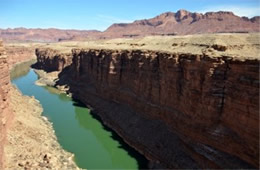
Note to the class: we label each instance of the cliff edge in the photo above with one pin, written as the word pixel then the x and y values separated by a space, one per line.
pixel 192 105
pixel 5 111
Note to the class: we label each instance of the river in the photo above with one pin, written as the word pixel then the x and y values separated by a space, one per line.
pixel 78 131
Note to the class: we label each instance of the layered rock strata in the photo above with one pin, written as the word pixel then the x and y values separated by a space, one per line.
pixel 184 23
pixel 50 61
pixel 180 110
pixel 5 111
pixel 19 53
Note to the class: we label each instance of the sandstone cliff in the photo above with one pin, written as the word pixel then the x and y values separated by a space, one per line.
pixel 181 110
pixel 5 111
pixel 18 53
pixel 51 61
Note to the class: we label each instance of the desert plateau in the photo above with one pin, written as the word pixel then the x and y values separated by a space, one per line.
pixel 179 90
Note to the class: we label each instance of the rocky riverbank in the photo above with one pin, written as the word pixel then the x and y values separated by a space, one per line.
pixel 46 79
pixel 6 114
pixel 27 140
pixel 31 141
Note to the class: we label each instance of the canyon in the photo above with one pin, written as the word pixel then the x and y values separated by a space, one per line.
pixel 176 91
pixel 27 140
pixel 182 101
pixel 182 22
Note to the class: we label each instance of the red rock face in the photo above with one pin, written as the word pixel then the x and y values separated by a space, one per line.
pixel 5 111
pixel 51 61
pixel 19 54
pixel 181 110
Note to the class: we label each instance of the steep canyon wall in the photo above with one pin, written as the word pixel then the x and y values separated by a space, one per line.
pixel 51 60
pixel 19 53
pixel 9 56
pixel 180 110
pixel 5 111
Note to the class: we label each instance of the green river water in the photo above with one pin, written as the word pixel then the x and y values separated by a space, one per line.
pixel 94 145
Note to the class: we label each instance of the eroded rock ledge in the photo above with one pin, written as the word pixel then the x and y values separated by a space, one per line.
pixel 180 110
pixel 5 111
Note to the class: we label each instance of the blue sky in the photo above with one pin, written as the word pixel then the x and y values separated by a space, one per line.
pixel 99 14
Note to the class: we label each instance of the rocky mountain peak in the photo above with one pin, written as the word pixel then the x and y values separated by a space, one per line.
pixel 165 15
pixel 181 14
pixel 255 19
pixel 220 14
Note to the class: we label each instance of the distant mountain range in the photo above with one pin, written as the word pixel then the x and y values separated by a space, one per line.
pixel 184 22
pixel 44 35
pixel 180 23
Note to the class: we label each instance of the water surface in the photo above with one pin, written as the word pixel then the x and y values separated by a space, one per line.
pixel 94 146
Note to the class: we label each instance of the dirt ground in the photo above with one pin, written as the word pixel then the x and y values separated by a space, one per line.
pixel 31 141
pixel 238 45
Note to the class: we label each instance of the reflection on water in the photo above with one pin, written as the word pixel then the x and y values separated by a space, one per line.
pixel 52 90
pixel 21 69
pixel 86 121
pixel 94 145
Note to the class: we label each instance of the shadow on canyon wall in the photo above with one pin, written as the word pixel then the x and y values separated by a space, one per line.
pixel 21 69
pixel 156 138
